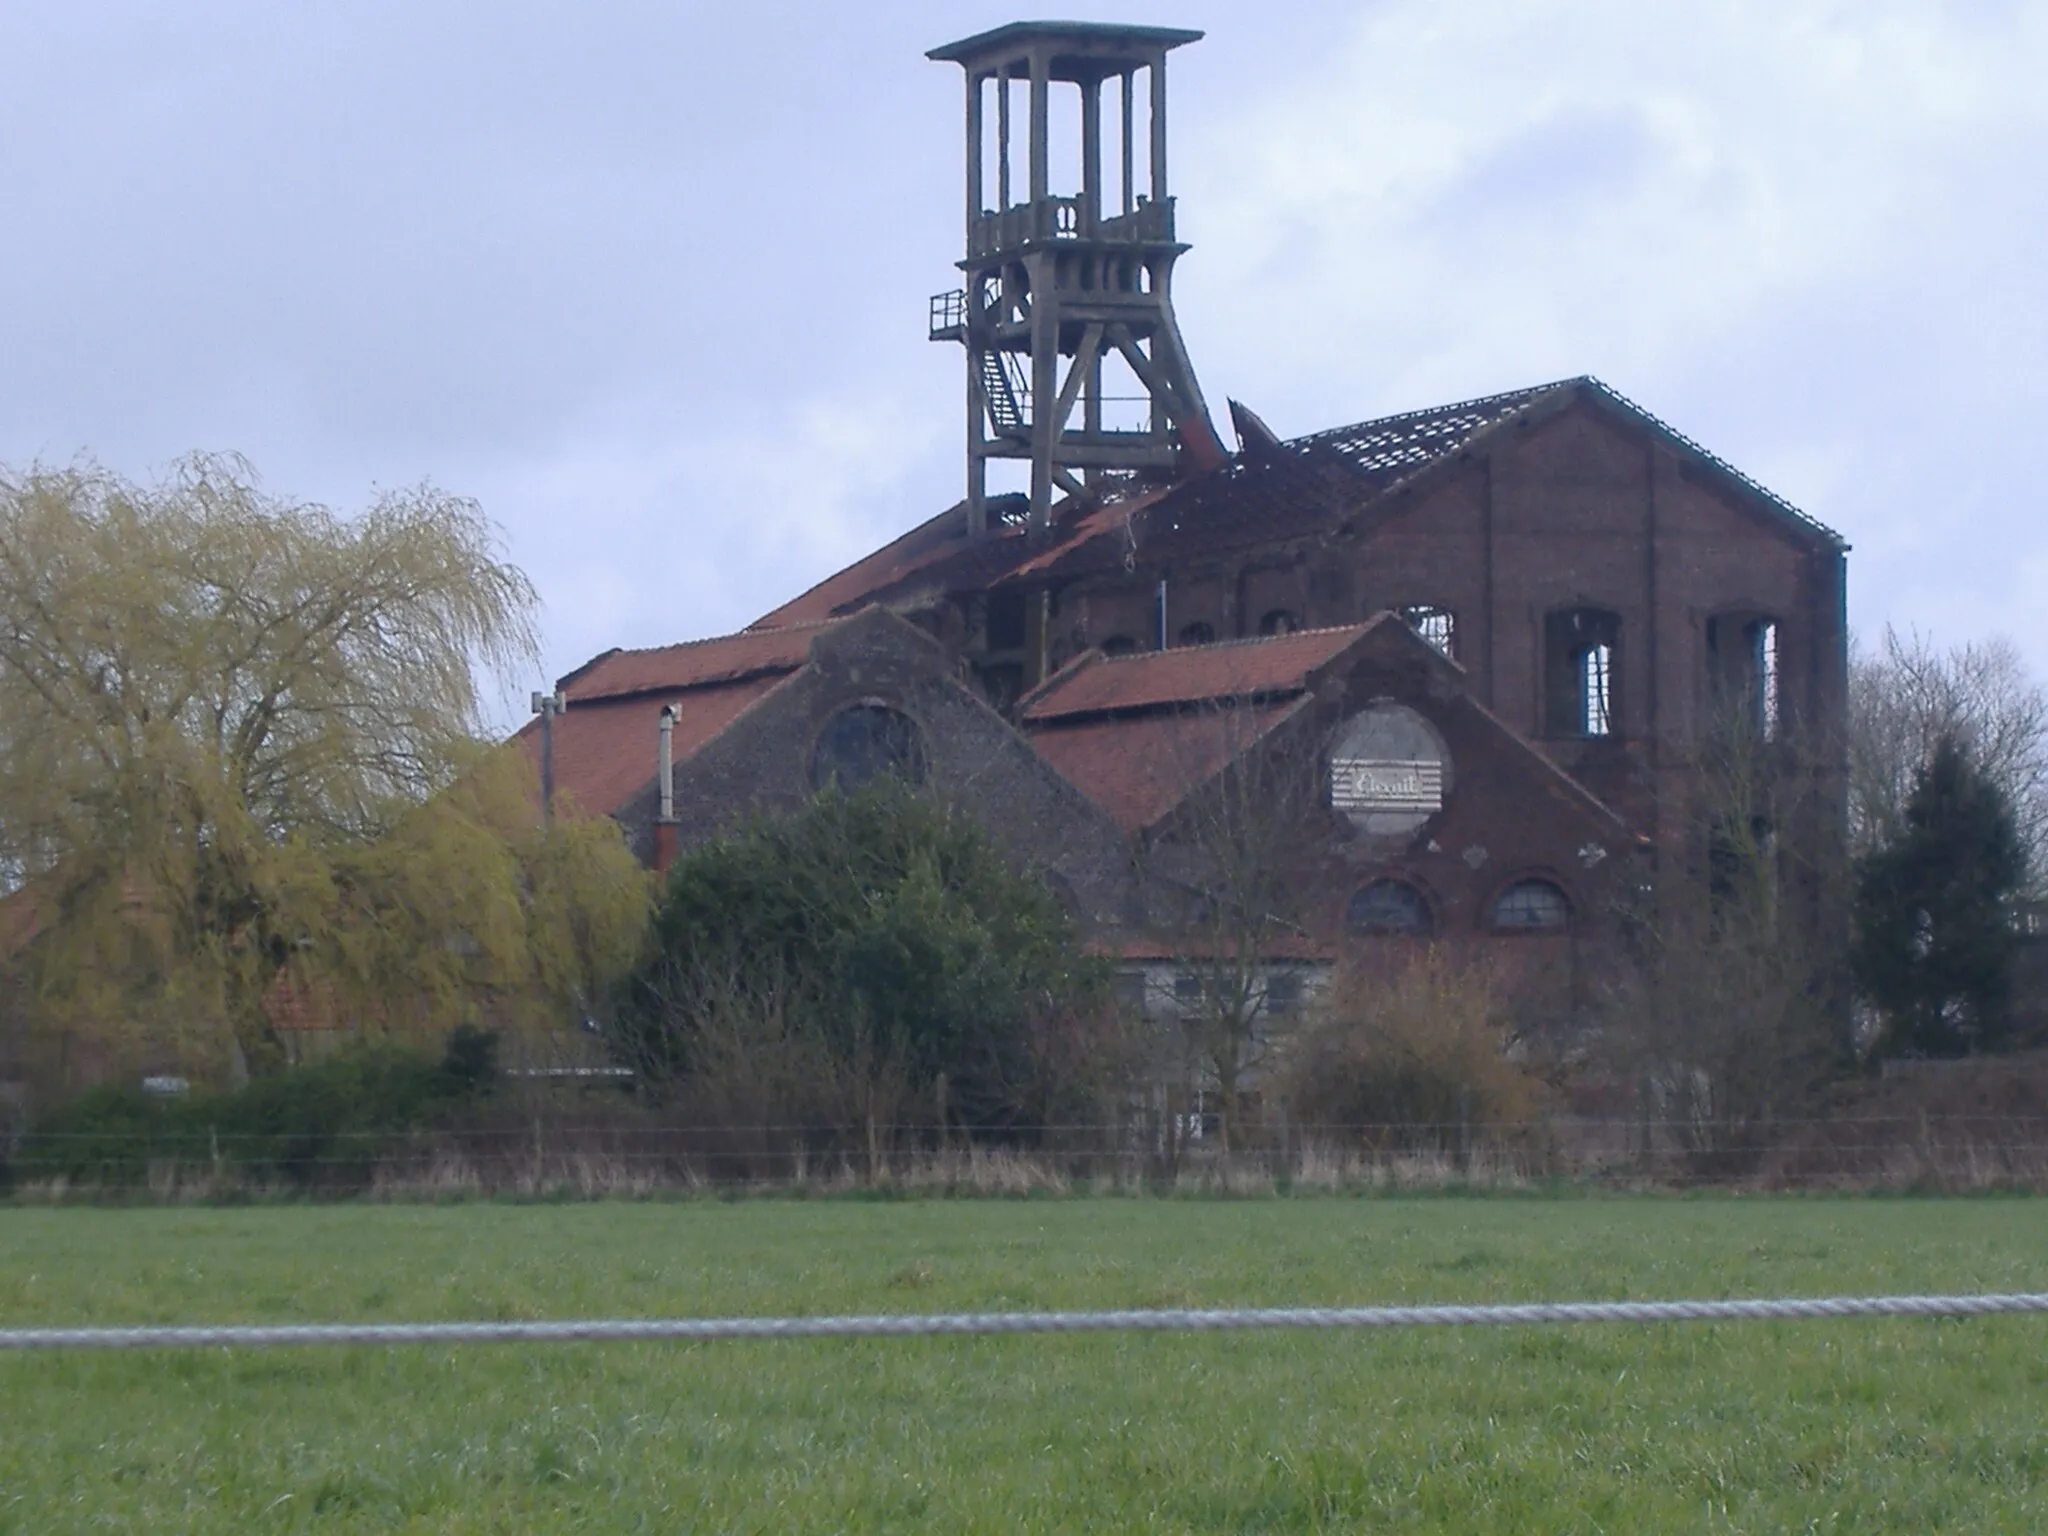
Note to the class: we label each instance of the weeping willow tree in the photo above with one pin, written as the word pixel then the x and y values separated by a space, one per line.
pixel 242 749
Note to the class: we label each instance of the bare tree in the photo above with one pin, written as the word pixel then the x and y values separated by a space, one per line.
pixel 1906 695
pixel 1737 1011
pixel 1223 873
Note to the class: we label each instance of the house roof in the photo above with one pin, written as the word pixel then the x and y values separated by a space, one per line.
pixel 605 748
pixel 692 664
pixel 1232 669
pixel 607 738
pixel 1302 487
pixel 1138 768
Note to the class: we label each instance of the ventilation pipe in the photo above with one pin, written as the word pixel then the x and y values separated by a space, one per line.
pixel 665 761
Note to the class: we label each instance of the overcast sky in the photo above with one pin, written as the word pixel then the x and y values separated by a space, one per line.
pixel 649 280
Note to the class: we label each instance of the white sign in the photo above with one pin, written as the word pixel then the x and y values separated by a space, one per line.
pixel 1368 784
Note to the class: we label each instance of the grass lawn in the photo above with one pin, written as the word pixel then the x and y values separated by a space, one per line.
pixel 1763 1427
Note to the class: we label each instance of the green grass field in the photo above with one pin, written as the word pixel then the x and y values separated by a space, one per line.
pixel 1764 1427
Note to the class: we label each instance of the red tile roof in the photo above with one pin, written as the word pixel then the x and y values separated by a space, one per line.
pixel 723 658
pixel 1233 669
pixel 605 748
pixel 1138 769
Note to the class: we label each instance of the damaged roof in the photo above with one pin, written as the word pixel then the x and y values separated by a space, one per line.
pixel 1302 487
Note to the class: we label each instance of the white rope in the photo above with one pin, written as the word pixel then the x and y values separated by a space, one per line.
pixel 901 1326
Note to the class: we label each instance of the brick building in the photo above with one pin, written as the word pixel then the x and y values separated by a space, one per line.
pixel 1499 632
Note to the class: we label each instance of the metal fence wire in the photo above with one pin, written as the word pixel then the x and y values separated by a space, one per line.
pixel 970 1324
pixel 593 1154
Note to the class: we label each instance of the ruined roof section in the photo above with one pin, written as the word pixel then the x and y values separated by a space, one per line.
pixel 1390 448
pixel 1232 669
pixel 694 664
pixel 1301 488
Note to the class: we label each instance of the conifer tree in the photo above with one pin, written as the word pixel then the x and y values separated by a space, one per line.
pixel 1934 934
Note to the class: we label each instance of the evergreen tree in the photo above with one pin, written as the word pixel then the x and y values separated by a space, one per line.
pixel 870 938
pixel 1934 934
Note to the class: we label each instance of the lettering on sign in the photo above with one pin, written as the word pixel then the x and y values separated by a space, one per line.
pixel 1389 772
pixel 1380 784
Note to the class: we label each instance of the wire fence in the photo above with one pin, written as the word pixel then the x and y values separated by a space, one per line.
pixel 617 1156
pixel 957 1324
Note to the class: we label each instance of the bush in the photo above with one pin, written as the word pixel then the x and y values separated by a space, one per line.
pixel 322 1125
pixel 866 959
pixel 1410 1060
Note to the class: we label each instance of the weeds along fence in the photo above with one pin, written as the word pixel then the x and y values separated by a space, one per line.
pixel 580 1157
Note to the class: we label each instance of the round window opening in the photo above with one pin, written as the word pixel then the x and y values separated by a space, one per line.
pixel 1531 904
pixel 1388 906
pixel 861 744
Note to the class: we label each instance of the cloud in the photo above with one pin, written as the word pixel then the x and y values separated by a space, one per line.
pixel 646 524
pixel 1807 233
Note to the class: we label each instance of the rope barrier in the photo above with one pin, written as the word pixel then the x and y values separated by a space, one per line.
pixel 983 1323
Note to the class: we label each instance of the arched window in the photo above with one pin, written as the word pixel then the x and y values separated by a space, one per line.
pixel 862 743
pixel 1197 633
pixel 1278 621
pixel 1531 906
pixel 1439 626
pixel 1119 645
pixel 1387 906
pixel 1581 653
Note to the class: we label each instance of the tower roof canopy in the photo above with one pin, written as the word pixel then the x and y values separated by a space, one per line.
pixel 1080 49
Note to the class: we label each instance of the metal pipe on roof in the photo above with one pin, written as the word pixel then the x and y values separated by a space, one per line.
pixel 665 759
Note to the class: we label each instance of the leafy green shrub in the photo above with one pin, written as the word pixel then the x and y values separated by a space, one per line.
pixel 321 1125
pixel 868 957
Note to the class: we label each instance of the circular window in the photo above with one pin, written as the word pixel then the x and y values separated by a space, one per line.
pixel 1388 906
pixel 1531 905
pixel 863 743
pixel 1389 771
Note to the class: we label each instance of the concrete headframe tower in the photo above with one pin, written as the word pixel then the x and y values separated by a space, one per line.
pixel 1067 309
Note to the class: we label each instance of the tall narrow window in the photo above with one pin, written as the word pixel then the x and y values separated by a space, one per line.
pixel 1745 666
pixel 1436 625
pixel 1596 685
pixel 1763 644
pixel 1582 673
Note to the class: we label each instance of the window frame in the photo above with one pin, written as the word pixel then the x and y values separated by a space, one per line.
pixel 1533 879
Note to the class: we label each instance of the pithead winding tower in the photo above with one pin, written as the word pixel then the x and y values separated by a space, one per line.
pixel 1074 361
